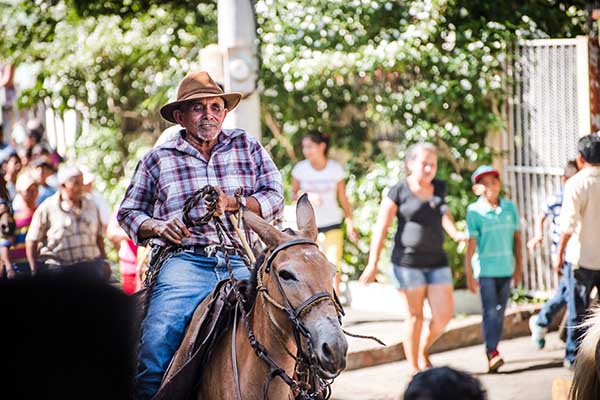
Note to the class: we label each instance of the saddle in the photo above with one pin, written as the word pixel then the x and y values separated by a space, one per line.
pixel 212 318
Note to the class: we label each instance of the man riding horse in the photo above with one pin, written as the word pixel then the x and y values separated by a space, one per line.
pixel 201 154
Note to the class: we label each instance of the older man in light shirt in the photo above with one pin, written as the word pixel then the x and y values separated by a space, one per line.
pixel 66 231
pixel 580 230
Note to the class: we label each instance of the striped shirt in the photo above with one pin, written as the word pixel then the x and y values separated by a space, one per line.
pixel 66 235
pixel 551 207
pixel 170 173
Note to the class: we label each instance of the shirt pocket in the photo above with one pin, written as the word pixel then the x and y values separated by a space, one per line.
pixel 60 231
pixel 239 177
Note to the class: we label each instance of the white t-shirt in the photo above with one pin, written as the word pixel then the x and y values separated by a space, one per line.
pixel 321 187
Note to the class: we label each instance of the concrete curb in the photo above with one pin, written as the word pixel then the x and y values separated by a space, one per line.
pixel 516 324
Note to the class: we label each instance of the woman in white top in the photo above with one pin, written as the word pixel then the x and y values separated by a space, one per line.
pixel 323 180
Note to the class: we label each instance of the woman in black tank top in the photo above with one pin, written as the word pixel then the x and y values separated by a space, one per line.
pixel 420 265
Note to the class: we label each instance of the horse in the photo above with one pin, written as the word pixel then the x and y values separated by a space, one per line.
pixel 293 320
pixel 586 373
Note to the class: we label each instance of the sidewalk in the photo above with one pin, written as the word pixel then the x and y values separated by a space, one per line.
pixel 462 331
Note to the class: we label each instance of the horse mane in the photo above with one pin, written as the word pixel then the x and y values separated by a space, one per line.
pixel 250 291
pixel 586 385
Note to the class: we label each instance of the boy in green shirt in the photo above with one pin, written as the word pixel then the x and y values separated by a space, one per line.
pixel 493 255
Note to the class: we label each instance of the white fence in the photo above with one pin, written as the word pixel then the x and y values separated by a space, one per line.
pixel 547 111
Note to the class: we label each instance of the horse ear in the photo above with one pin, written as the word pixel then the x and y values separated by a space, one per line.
pixel 305 218
pixel 270 235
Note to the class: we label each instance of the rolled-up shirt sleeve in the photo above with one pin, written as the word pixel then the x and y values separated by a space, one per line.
pixel 138 204
pixel 570 210
pixel 268 189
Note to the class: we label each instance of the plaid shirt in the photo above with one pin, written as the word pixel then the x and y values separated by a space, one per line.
pixel 66 235
pixel 172 172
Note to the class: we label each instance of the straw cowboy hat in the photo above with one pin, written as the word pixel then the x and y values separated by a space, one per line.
pixel 198 85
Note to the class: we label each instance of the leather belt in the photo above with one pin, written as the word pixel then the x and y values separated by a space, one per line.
pixel 210 250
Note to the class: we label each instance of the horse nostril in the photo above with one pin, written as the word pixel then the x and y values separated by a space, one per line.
pixel 327 354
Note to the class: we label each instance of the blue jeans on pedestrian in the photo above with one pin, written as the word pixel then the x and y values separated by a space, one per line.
pixel 183 282
pixel 560 298
pixel 582 284
pixel 494 296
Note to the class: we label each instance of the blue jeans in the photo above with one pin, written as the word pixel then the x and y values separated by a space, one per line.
pixel 560 298
pixel 494 296
pixel 184 281
pixel 582 284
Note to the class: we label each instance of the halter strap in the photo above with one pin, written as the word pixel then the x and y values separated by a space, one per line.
pixel 283 246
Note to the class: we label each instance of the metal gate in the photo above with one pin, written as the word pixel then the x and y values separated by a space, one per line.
pixel 547 111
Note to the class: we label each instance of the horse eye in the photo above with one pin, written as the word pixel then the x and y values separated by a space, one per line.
pixel 287 276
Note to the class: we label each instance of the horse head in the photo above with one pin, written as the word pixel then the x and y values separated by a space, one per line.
pixel 297 277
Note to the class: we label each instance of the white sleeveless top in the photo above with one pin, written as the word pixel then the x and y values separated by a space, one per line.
pixel 321 187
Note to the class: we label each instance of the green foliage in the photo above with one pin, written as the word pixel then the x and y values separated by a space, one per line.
pixel 101 150
pixel 520 296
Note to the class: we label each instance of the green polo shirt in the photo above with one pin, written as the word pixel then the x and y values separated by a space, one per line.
pixel 494 229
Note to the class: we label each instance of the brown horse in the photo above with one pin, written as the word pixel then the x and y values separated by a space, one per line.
pixel 586 376
pixel 295 276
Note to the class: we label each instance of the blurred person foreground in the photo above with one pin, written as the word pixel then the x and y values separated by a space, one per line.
pixel 65 336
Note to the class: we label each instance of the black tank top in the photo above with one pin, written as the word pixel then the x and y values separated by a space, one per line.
pixel 420 236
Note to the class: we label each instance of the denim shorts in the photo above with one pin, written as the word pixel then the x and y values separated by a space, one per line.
pixel 411 278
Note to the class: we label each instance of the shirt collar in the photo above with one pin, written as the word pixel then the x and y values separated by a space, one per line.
pixel 485 207
pixel 68 208
pixel 590 171
pixel 179 143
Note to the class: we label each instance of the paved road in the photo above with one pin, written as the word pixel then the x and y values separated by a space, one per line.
pixel 527 374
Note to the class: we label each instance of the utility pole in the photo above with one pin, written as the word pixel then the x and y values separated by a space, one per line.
pixel 240 70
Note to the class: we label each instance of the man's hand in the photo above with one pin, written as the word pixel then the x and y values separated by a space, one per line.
pixel 518 276
pixel 369 274
pixel 173 231
pixel 558 263
pixel 472 283
pixel 226 203
pixel 10 273
pixel 534 242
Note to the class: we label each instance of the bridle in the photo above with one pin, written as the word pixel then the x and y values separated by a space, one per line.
pixel 307 384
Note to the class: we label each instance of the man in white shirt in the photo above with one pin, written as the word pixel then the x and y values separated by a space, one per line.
pixel 580 230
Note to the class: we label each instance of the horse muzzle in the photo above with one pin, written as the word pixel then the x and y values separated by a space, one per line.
pixel 330 348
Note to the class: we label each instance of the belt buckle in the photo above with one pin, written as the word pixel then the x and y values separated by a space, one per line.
pixel 211 250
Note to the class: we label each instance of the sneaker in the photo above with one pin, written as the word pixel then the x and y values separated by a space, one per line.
pixel 568 364
pixel 494 362
pixel 538 333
